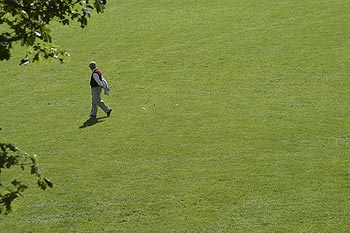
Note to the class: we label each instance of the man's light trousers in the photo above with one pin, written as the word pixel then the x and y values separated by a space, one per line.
pixel 97 101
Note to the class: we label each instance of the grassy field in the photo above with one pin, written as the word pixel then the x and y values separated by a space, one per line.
pixel 228 116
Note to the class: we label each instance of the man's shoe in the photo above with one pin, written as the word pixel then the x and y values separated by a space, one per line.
pixel 109 113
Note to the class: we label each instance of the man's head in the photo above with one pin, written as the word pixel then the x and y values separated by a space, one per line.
pixel 92 65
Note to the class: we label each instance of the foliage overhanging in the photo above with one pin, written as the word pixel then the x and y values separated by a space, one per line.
pixel 27 22
pixel 11 157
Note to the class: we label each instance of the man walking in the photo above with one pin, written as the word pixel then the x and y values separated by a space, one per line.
pixel 96 87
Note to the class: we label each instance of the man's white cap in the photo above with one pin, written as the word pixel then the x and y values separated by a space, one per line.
pixel 92 63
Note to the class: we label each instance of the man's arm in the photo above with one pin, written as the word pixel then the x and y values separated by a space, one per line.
pixel 97 79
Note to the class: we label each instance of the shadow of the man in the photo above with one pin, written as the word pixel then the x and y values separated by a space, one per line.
pixel 91 121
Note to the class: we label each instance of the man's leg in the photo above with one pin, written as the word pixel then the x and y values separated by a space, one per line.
pixel 96 98
pixel 101 104
pixel 104 107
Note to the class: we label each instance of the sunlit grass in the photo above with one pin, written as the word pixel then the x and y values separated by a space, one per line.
pixel 228 116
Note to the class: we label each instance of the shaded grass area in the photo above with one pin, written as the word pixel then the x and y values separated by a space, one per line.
pixel 227 116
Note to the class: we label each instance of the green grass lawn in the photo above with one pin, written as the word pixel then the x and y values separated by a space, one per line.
pixel 228 116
